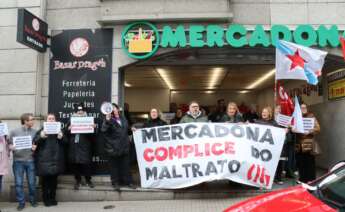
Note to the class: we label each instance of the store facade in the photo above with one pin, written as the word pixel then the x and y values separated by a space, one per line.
pixel 249 28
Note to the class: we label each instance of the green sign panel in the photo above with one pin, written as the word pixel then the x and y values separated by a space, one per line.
pixel 141 40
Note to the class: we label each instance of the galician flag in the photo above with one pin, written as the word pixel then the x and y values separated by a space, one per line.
pixel 297 118
pixel 298 62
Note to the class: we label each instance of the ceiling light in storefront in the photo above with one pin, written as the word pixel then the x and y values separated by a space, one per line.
pixel 209 92
pixel 127 84
pixel 216 77
pixel 164 75
pixel 260 80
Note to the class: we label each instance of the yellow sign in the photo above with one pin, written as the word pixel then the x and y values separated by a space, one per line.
pixel 336 89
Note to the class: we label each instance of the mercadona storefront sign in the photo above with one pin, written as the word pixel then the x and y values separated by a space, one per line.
pixel 141 40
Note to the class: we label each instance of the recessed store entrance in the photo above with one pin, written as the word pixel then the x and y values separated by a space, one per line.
pixel 204 75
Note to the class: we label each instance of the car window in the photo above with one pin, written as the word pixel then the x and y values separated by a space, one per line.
pixel 333 187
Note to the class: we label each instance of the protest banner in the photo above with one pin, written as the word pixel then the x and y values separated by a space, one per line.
pixel 82 125
pixel 183 155
pixel 3 129
pixel 22 142
pixel 51 127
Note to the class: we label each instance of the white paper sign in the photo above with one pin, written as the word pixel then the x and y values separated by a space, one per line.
pixel 283 120
pixel 3 129
pixel 183 155
pixel 22 142
pixel 82 125
pixel 51 127
pixel 308 124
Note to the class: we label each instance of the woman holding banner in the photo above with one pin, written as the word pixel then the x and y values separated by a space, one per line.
pixel 116 146
pixel 49 159
pixel 155 119
pixel 306 149
pixel 232 114
pixel 4 158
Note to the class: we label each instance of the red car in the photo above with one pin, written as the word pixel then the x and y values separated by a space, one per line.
pixel 327 193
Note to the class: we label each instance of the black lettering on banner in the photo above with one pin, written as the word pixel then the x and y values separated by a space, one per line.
pixel 196 170
pixel 187 131
pixel 211 168
pixel 264 154
pixel 253 135
pixel 267 137
pixel 221 131
pixel 175 175
pixel 176 131
pixel 221 163
pixel 205 131
pixel 164 173
pixel 186 166
pixel 163 134
pixel 234 166
pixel 151 173
pixel 237 131
pixel 148 134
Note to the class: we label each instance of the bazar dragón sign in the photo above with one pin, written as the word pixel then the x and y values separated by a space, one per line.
pixel 141 40
pixel 182 155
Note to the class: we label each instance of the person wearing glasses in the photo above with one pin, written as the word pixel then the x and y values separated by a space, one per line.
pixel 23 161
pixel 194 114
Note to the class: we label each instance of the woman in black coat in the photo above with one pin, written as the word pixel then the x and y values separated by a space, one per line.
pixel 116 146
pixel 154 119
pixel 49 158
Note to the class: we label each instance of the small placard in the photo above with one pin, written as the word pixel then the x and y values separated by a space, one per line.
pixel 51 127
pixel 82 125
pixel 22 142
pixel 3 129
pixel 308 124
pixel 283 120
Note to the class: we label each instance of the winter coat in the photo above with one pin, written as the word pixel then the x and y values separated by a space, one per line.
pixel 271 122
pixel 305 143
pixel 116 137
pixel 49 155
pixel 79 151
pixel 235 119
pixel 4 156
pixel 154 123
pixel 188 118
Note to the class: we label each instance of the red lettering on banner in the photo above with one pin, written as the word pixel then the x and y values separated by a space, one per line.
pixel 259 175
pixel 163 156
pixel 187 149
pixel 146 155
pixel 184 151
pixel 207 149
pixel 177 152
pixel 217 152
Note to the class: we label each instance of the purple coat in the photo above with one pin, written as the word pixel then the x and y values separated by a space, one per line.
pixel 4 156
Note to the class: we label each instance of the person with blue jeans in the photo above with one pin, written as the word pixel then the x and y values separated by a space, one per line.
pixel 23 162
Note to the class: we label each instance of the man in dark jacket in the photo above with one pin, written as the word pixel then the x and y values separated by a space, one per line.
pixel 79 151
pixel 117 147
pixel 49 159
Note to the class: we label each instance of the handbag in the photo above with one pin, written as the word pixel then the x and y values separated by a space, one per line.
pixel 316 148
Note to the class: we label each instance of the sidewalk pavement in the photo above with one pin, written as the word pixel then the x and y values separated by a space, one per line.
pixel 200 205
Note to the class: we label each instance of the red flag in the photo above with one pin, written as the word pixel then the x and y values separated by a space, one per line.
pixel 342 42
pixel 285 102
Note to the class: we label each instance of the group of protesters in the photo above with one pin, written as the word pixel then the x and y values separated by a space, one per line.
pixel 46 158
